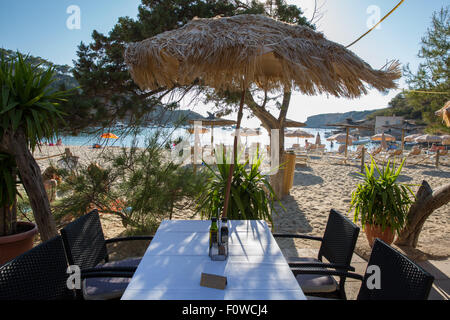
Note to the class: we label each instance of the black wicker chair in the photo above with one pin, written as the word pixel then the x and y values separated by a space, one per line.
pixel 86 247
pixel 41 274
pixel 337 246
pixel 400 278
pixel 38 274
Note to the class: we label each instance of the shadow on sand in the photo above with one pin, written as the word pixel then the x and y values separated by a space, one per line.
pixel 302 178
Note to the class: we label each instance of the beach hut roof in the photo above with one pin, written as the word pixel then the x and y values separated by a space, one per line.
pixel 233 52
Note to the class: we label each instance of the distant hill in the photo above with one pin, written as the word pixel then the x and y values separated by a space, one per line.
pixel 321 120
pixel 63 74
pixel 65 77
pixel 162 115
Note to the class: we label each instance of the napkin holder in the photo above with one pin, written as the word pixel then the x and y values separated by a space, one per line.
pixel 213 281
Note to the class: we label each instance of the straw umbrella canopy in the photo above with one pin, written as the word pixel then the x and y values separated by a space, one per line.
pixel 348 124
pixel 342 138
pixel 446 140
pixel 428 138
pixel 246 132
pixel 213 122
pixel 405 126
pixel 445 113
pixel 298 134
pixel 233 53
pixel 412 137
pixel 383 136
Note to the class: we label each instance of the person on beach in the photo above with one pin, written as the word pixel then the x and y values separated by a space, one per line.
pixel 51 179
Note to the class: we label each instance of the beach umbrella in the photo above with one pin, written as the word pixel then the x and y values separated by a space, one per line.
pixel 412 137
pixel 383 138
pixel 405 126
pixel 445 140
pixel 348 124
pixel 298 134
pixel 427 138
pixel 445 113
pixel 233 53
pixel 380 136
pixel 109 135
pixel 213 122
pixel 342 138
pixel 318 142
pixel 245 132
pixel 200 130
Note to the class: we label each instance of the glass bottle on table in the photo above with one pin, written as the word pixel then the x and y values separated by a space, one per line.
pixel 213 237
pixel 224 235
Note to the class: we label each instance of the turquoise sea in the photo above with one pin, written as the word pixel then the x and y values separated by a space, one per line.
pixel 221 135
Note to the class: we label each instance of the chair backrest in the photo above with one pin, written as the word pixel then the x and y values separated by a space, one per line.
pixel 38 274
pixel 339 239
pixel 84 241
pixel 341 148
pixel 400 278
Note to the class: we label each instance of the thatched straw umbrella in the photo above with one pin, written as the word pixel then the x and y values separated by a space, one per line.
pixel 445 113
pixel 348 124
pixel 213 122
pixel 405 126
pixel 236 52
pixel 298 134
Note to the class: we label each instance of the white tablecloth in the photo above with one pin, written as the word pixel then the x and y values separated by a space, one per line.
pixel 178 254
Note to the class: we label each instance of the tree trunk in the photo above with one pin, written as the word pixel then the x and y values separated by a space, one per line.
pixel 30 174
pixel 269 122
pixel 427 202
pixel 276 180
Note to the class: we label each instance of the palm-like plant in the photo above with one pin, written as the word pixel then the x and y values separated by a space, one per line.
pixel 252 196
pixel 29 113
pixel 381 201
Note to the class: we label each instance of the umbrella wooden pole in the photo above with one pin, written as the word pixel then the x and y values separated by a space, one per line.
pixel 230 173
pixel 403 140
pixel 212 139
pixel 346 141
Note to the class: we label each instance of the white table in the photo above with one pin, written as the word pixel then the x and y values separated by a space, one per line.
pixel 178 254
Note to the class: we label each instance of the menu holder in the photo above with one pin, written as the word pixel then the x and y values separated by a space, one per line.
pixel 213 281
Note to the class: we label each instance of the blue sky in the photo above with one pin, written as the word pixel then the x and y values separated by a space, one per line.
pixel 39 27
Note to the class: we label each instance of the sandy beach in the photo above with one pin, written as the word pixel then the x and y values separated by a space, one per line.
pixel 318 187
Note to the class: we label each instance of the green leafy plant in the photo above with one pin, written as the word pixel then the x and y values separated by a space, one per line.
pixel 27 99
pixel 140 185
pixel 29 112
pixel 381 200
pixel 252 196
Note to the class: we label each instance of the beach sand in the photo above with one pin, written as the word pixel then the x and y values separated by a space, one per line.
pixel 318 187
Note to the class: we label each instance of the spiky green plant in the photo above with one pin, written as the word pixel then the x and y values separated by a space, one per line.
pixel 27 101
pixel 381 200
pixel 251 198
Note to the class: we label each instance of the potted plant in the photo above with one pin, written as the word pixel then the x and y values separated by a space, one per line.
pixel 380 203
pixel 252 197
pixel 15 237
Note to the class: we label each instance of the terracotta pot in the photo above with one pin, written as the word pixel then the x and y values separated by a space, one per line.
pixel 375 231
pixel 16 244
